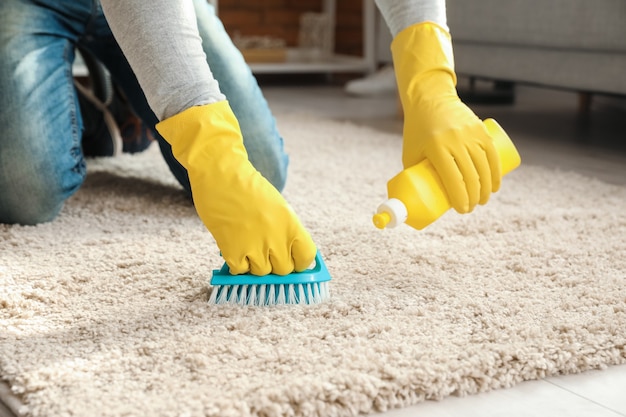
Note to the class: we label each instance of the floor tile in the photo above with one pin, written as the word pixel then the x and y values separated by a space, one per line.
pixel 606 387
pixel 528 399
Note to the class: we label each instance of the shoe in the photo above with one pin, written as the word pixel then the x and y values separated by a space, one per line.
pixel 382 82
pixel 110 126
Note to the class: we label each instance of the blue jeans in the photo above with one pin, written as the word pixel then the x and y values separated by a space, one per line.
pixel 41 160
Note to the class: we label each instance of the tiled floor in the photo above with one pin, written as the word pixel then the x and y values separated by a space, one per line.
pixel 544 126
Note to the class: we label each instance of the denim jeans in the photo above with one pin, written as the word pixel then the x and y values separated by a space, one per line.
pixel 41 161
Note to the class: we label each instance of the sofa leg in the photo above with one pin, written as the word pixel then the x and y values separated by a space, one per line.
pixel 501 92
pixel 583 116
pixel 584 103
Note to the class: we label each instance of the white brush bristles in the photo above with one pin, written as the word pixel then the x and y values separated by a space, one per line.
pixel 301 295
pixel 270 294
pixel 252 300
pixel 281 299
pixel 213 297
pixel 291 294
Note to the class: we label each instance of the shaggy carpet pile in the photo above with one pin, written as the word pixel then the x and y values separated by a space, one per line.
pixel 104 312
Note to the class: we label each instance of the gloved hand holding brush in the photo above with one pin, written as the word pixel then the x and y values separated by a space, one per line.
pixel 255 229
pixel 438 126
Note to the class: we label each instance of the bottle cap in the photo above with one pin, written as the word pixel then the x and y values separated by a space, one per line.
pixel 391 213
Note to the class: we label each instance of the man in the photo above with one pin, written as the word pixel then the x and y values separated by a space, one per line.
pixel 254 227
pixel 41 155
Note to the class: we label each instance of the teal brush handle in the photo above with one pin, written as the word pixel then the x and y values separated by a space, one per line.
pixel 319 273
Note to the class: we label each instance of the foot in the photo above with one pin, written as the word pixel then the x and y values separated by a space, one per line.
pixel 382 82
pixel 110 125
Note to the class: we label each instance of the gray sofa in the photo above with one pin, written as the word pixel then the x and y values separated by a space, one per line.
pixel 577 45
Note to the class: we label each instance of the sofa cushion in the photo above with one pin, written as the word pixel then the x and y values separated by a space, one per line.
pixel 598 25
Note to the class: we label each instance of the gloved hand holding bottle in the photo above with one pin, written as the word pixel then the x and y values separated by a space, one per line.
pixel 437 125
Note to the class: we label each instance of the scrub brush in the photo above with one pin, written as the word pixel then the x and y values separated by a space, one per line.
pixel 307 287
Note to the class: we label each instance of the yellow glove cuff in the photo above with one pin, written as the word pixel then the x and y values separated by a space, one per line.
pixel 220 133
pixel 422 52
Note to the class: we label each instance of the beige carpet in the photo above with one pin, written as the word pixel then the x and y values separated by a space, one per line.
pixel 103 312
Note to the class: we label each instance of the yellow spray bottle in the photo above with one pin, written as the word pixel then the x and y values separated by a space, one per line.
pixel 416 194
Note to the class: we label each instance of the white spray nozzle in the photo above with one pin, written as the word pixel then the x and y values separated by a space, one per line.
pixel 391 213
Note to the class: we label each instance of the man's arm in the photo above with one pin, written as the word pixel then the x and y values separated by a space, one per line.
pixel 253 226
pixel 437 125
pixel 161 42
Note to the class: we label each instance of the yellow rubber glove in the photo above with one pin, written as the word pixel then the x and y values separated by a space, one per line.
pixel 437 125
pixel 254 227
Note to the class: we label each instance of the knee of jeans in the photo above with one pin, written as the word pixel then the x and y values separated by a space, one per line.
pixel 275 171
pixel 35 211
pixel 31 205
pixel 279 179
